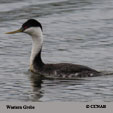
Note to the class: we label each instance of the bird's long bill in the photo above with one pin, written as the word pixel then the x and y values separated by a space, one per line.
pixel 13 32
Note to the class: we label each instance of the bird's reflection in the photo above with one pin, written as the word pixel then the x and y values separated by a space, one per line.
pixel 36 81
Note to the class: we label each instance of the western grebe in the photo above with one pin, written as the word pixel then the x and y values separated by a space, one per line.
pixel 61 70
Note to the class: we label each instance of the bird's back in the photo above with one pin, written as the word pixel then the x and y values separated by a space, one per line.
pixel 66 70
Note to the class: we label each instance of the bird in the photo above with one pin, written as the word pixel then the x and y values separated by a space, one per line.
pixel 34 28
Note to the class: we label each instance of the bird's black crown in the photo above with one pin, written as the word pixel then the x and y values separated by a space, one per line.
pixel 31 23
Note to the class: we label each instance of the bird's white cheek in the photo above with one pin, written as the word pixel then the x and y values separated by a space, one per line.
pixel 33 31
pixel 28 31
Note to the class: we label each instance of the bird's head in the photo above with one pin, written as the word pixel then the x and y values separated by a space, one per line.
pixel 31 27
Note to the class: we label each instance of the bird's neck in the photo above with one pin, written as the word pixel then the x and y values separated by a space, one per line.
pixel 35 59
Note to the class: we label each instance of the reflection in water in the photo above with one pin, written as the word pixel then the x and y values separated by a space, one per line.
pixel 83 90
pixel 36 81
pixel 43 86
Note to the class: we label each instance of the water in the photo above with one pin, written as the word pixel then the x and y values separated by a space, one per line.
pixel 75 31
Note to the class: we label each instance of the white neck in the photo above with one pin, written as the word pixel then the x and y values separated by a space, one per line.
pixel 37 41
pixel 36 47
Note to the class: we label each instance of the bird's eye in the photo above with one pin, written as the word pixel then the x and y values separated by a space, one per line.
pixel 25 27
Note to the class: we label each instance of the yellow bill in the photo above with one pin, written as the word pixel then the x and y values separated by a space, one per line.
pixel 13 32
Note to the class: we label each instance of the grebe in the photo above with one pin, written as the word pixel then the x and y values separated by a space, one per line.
pixel 61 70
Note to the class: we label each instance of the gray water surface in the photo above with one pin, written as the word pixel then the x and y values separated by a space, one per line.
pixel 75 31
